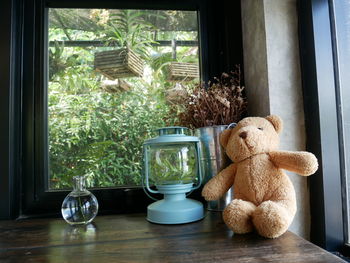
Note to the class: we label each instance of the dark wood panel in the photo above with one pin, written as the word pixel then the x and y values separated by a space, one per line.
pixel 318 69
pixel 130 238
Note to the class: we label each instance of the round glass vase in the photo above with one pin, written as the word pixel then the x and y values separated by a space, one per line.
pixel 80 206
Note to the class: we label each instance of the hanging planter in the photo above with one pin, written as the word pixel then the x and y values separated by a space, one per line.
pixel 181 71
pixel 176 94
pixel 115 86
pixel 120 63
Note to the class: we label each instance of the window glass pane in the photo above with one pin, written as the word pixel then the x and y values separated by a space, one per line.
pixel 342 26
pixel 113 76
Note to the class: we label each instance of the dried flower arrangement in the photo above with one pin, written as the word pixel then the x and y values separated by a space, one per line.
pixel 220 103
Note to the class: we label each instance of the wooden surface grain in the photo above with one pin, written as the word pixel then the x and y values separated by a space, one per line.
pixel 130 238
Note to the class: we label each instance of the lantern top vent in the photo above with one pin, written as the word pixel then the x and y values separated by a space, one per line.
pixel 172 134
pixel 171 130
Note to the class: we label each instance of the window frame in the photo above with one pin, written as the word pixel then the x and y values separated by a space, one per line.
pixel 37 199
pixel 320 81
pixel 24 194
pixel 10 108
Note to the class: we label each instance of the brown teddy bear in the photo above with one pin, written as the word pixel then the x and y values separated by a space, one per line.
pixel 264 197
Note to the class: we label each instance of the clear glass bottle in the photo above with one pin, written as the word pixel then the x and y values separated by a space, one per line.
pixel 80 206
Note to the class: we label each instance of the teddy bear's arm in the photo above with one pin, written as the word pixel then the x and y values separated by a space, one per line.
pixel 303 163
pixel 219 184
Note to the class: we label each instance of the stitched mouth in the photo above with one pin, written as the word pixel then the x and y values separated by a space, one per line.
pixel 250 147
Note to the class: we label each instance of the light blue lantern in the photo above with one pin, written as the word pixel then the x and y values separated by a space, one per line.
pixel 172 164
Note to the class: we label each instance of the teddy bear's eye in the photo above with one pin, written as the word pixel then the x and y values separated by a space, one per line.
pixel 260 128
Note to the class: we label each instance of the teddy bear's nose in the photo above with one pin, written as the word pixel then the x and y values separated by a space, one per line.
pixel 243 135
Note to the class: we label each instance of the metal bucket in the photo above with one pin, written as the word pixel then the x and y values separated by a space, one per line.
pixel 213 160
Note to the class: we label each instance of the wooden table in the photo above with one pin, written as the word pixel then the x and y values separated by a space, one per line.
pixel 130 238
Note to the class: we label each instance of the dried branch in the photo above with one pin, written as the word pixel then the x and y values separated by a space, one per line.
pixel 221 103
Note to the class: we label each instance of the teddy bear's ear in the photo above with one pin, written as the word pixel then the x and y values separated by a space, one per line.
pixel 276 122
pixel 224 136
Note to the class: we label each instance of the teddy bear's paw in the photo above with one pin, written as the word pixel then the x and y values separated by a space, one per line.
pixel 311 164
pixel 209 194
pixel 237 216
pixel 271 219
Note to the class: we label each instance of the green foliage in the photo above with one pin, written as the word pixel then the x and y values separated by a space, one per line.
pixel 101 134
pixel 128 29
pixel 98 133
pixel 94 132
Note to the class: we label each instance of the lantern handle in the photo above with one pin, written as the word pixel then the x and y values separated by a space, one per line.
pixel 231 125
pixel 145 190
pixel 146 173
pixel 199 167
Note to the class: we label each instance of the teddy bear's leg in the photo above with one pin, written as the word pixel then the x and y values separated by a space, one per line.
pixel 237 216
pixel 272 218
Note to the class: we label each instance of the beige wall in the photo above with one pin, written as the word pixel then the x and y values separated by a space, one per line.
pixel 273 81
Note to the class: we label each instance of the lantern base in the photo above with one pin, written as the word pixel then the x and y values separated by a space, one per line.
pixel 175 211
